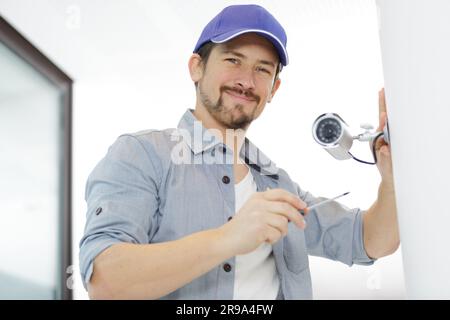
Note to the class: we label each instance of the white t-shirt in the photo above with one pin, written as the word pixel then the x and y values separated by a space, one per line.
pixel 255 273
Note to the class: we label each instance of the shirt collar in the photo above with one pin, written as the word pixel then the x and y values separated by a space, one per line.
pixel 200 139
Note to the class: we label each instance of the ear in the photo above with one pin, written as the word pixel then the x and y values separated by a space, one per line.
pixel 195 67
pixel 275 87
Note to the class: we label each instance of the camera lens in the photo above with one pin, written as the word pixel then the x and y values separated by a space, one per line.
pixel 328 130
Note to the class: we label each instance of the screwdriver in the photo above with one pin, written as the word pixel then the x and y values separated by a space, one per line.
pixel 308 209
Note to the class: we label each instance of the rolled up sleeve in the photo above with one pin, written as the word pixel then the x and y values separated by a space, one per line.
pixel 122 201
pixel 334 231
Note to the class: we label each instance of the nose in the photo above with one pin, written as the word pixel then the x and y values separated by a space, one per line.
pixel 246 79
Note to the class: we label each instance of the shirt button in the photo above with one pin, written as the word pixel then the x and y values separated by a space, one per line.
pixel 226 179
pixel 227 267
pixel 98 211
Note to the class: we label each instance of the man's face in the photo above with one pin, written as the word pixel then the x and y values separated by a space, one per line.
pixel 238 80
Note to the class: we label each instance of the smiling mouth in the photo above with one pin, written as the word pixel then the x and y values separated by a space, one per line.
pixel 240 97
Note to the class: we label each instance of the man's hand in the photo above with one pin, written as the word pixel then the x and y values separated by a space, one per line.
pixel 263 218
pixel 382 149
pixel 381 236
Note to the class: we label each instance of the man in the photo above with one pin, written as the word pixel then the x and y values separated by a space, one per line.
pixel 198 212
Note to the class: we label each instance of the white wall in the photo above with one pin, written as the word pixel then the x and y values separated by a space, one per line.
pixel 414 38
pixel 129 61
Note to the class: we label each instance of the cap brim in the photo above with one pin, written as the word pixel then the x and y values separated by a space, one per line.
pixel 284 59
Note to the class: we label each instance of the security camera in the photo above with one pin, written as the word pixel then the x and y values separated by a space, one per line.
pixel 332 133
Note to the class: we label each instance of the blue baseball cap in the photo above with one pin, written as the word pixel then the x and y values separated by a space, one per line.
pixel 239 19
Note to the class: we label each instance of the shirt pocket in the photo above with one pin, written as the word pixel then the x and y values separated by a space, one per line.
pixel 294 250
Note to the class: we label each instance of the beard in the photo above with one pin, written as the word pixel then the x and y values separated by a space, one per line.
pixel 224 115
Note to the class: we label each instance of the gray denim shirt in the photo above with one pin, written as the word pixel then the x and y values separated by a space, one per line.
pixel 161 185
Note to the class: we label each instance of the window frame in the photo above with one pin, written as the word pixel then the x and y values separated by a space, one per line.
pixel 16 42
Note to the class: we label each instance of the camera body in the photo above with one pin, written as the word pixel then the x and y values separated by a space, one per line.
pixel 331 132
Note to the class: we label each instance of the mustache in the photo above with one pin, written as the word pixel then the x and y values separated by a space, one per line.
pixel 238 90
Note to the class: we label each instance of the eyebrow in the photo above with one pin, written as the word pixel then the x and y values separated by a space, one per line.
pixel 240 55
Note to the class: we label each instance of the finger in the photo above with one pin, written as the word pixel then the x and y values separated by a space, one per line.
pixel 279 222
pixel 304 212
pixel 381 101
pixel 283 195
pixel 272 235
pixel 384 151
pixel 382 121
pixel 286 210
pixel 382 112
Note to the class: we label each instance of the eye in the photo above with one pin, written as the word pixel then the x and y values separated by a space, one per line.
pixel 232 60
pixel 261 69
